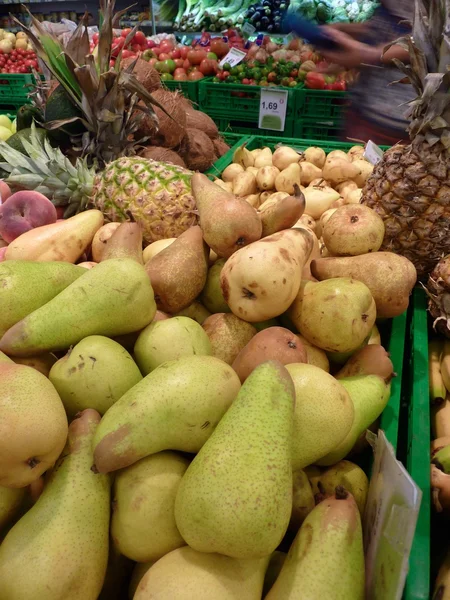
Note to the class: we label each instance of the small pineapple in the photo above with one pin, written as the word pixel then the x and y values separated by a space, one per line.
pixel 410 187
pixel 438 291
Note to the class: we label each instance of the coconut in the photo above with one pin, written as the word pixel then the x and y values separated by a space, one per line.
pixel 162 155
pixel 197 150
pixel 147 75
pixel 220 146
pixel 171 128
pixel 199 120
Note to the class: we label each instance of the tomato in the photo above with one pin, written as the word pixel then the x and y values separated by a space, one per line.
pixel 151 44
pixel 156 50
pixel 219 47
pixel 125 32
pixel 163 56
pixel 208 67
pixel 170 65
pixel 95 38
pixel 195 76
pixel 139 38
pixel 314 81
pixel 184 51
pixel 211 55
pixel 176 53
pixel 178 62
pixel 112 63
pixel 166 46
pixel 152 62
pixel 136 48
pixel 245 81
pixel 186 64
pixel 195 57
pixel 181 76
pixel 166 77
pixel 127 54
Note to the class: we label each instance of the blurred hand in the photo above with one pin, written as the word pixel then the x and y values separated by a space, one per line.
pixel 351 53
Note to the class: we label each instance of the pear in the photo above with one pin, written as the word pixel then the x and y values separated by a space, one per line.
pixel 302 499
pixel 125 242
pixel 5 359
pixel 326 559
pixel 375 337
pixel 244 184
pixel 288 178
pixel 33 427
pixel 272 343
pixel 261 281
pixel 353 230
pixel 323 417
pixel 176 407
pixel 17 277
pixel 314 474
pixel 143 522
pixel 65 534
pixel 61 241
pixel 264 158
pixel 284 156
pixel 230 172
pixel 245 466
pixel 94 374
pixel 370 360
pixel 10 502
pixel 114 298
pixel 336 315
pixel 277 215
pixel 265 177
pixel 315 155
pixel 170 339
pixel 195 311
pixel 201 576
pixel 243 157
pixel 139 571
pixel 314 355
pixel 228 335
pixel 349 476
pixel 42 363
pixel 389 277
pixel 178 273
pixel 228 223
pixel 370 395
pixel 155 247
pixel 212 296
pixel 101 240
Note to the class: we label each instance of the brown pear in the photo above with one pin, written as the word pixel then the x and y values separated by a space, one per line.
pixel 178 273
pixel 125 242
pixel 370 360
pixel 228 334
pixel 273 343
pixel 389 277
pixel 277 215
pixel 228 223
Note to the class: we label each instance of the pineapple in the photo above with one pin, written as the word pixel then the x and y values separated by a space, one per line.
pixel 410 187
pixel 438 290
pixel 155 194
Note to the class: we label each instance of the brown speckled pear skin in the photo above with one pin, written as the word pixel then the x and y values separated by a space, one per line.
pixel 236 496
pixel 33 425
pixel 113 299
pixel 176 407
pixel 326 559
pixel 65 534
pixel 201 576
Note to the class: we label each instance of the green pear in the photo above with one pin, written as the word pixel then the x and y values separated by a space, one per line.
pixel 46 279
pixel 33 425
pixel 243 470
pixel 349 476
pixel 314 474
pixel 326 559
pixel 370 395
pixel 195 311
pixel 176 407
pixel 114 298
pixel 228 335
pixel 302 499
pixel 324 414
pixel 185 574
pixel 336 315
pixel 10 503
pixel 170 339
pixel 125 242
pixel 65 534
pixel 276 563
pixel 94 374
pixel 211 295
pixel 143 521
pixel 4 358
pixel 370 360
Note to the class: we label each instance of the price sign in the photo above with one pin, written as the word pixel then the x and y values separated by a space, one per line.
pixel 373 153
pixel 233 58
pixel 390 519
pixel 272 109
pixel 248 29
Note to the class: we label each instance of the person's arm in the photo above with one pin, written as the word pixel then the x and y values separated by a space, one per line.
pixel 354 30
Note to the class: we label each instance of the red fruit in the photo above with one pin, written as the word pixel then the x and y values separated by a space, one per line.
pixel 128 54
pixel 59 212
pixel 184 51
pixel 219 47
pixel 163 56
pixel 125 32
pixel 179 71
pixel 151 44
pixel 175 53
pixel 139 38
pixel 207 67
pixel 315 81
pixel 136 48
pixel 24 211
pixel 245 81
pixel 152 62
pixel 178 62
pixel 181 76
pixel 5 191
pixel 186 64
pixel 195 76
pixel 112 62
pixel 195 57
pixel 95 39
pixel 157 50
pixel 166 46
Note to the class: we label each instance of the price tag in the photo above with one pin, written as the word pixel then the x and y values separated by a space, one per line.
pixel 234 57
pixel 248 29
pixel 390 520
pixel 373 153
pixel 272 109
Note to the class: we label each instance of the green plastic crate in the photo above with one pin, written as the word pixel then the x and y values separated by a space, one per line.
pixel 321 104
pixel 318 129
pixel 189 89
pixel 15 88
pixel 234 140
pixel 11 114
pixel 418 445
pixel 250 129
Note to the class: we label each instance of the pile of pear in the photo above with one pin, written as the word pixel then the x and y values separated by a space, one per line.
pixel 177 421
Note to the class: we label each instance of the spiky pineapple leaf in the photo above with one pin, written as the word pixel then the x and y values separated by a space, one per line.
pixel 77 48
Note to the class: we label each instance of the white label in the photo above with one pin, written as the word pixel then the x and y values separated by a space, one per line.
pixel 248 29
pixel 390 520
pixel 234 57
pixel 373 153
pixel 272 109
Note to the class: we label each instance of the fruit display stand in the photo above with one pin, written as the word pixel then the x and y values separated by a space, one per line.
pixel 319 114
pixel 189 89
pixel 14 90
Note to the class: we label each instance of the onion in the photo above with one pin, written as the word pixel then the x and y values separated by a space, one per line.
pixel 6 46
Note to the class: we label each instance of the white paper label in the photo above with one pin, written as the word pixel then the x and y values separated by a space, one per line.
pixel 390 520
pixel 272 109
pixel 373 153
pixel 248 29
pixel 234 57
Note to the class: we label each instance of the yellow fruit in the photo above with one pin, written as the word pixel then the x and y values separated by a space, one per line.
pixel 5 133
pixel 5 122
